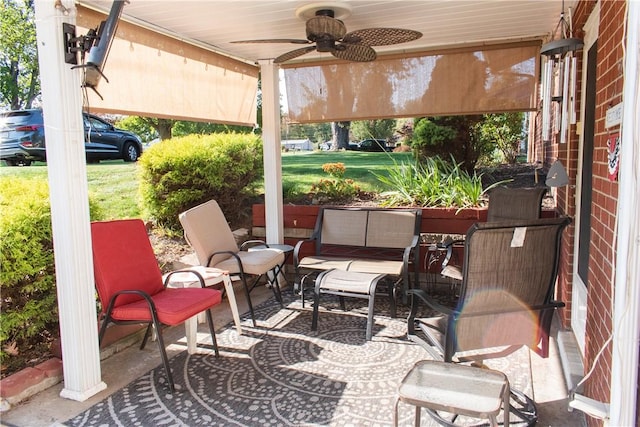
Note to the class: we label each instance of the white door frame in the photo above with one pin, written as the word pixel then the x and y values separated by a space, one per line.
pixel 579 290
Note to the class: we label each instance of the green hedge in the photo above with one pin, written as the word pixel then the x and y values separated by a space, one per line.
pixel 27 269
pixel 180 173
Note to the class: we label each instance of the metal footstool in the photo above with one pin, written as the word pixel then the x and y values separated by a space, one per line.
pixel 456 389
pixel 348 284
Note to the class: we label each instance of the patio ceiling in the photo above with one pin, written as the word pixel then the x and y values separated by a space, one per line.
pixel 214 24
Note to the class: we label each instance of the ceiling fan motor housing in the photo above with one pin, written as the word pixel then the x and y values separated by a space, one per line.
pixel 325 27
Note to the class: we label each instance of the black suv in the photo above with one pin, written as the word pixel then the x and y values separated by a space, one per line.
pixel 373 145
pixel 22 139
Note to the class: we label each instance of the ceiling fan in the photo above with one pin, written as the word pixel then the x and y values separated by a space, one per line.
pixel 330 35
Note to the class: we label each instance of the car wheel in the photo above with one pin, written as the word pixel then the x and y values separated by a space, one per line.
pixel 130 152
pixel 17 162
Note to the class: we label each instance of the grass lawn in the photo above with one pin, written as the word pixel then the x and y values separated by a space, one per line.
pixel 114 183
pixel 305 168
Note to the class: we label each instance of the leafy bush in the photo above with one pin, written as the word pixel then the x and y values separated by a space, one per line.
pixel 334 189
pixel 27 269
pixel 434 183
pixel 505 131
pixel 180 173
pixel 455 136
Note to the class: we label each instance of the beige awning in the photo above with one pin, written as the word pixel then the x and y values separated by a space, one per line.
pixel 463 81
pixel 154 75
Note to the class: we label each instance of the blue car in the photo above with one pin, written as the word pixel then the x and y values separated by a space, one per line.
pixel 22 139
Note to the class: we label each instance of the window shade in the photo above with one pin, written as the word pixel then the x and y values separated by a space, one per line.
pixel 150 74
pixel 454 82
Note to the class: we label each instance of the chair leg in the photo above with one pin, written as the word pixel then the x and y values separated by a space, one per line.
pixel 213 332
pixel 246 293
pixel 370 317
pixel 147 334
pixel 275 287
pixel 303 286
pixel 103 329
pixel 163 352
pixel 316 306
pixel 372 296
pixel 392 299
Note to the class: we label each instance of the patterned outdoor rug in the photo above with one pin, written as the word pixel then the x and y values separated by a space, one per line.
pixel 282 373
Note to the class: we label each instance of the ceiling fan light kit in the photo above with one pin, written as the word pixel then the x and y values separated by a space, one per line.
pixel 325 28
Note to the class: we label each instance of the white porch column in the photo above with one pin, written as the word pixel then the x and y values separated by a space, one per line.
pixel 62 106
pixel 274 216
pixel 626 310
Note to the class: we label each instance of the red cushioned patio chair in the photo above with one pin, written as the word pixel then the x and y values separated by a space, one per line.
pixel 131 289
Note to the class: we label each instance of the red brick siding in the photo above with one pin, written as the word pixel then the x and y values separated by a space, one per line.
pixel 605 196
pixel 609 87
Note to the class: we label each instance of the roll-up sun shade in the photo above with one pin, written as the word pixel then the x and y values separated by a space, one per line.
pixel 154 75
pixel 454 82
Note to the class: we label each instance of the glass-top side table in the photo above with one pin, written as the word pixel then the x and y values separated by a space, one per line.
pixel 456 389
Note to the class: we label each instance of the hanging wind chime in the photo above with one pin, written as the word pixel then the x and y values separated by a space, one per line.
pixel 559 79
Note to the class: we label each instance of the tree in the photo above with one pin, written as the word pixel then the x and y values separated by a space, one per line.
pixel 340 131
pixel 315 132
pixel 19 74
pixel 138 126
pixel 149 128
pixel 182 128
pixel 375 129
pixel 504 131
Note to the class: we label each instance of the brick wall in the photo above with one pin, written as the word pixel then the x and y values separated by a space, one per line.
pixel 609 86
pixel 605 196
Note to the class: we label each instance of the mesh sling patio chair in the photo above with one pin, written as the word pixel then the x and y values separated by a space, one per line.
pixel 506 298
pixel 505 204
pixel 208 233
pixel 130 286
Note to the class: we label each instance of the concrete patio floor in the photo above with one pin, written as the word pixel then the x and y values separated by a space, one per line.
pixel 49 409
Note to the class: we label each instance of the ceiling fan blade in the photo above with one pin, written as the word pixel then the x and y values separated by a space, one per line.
pixel 294 41
pixel 354 52
pixel 293 54
pixel 380 36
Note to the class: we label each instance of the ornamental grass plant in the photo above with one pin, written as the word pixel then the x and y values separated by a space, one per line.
pixel 432 183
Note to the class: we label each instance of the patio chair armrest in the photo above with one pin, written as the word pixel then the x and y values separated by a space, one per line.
pixel 406 257
pixel 186 270
pixel 424 297
pixel 251 243
pixel 449 246
pixel 414 326
pixel 296 249
pixel 233 254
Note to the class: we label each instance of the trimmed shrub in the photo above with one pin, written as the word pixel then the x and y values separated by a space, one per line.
pixel 180 173
pixel 27 268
